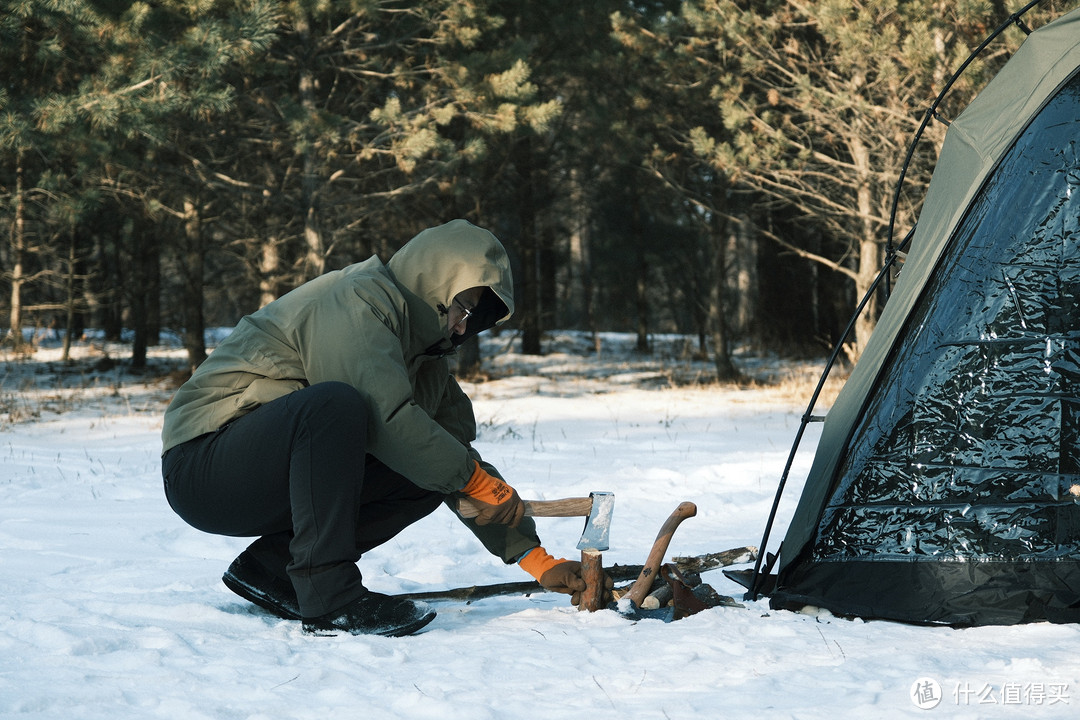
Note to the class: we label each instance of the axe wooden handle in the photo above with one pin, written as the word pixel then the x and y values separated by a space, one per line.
pixel 644 581
pixel 567 507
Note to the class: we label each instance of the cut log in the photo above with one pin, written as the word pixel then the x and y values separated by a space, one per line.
pixel 592 572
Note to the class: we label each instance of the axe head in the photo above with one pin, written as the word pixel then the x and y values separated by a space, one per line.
pixel 598 525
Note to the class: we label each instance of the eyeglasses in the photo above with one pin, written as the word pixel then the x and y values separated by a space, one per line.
pixel 466 313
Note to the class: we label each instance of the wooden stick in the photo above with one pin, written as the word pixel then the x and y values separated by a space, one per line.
pixel 618 573
pixel 592 572
pixel 645 580
pixel 711 561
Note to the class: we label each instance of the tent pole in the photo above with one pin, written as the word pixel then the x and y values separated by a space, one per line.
pixel 808 417
pixel 932 111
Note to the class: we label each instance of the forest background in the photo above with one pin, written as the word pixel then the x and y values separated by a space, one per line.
pixel 723 169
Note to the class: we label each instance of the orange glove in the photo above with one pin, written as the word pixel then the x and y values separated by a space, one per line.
pixel 560 575
pixel 498 502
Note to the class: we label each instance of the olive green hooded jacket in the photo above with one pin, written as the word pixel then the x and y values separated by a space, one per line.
pixel 381 328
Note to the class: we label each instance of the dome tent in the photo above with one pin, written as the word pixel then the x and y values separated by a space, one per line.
pixel 946 483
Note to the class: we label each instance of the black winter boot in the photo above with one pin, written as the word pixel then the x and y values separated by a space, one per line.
pixel 373 614
pixel 249 579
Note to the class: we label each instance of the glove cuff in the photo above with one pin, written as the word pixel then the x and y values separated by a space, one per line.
pixel 487 488
pixel 537 562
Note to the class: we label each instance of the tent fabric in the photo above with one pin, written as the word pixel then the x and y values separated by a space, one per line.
pixel 946 485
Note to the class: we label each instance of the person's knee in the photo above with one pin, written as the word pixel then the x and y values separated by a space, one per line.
pixel 333 403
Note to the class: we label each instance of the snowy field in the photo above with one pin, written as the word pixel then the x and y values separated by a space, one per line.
pixel 111 607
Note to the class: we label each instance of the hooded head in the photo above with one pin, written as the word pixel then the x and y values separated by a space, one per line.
pixel 443 261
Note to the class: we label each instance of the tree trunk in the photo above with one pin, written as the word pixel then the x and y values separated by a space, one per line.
pixel 531 294
pixel 69 298
pixel 581 285
pixel 641 298
pixel 153 286
pixel 193 262
pixel 742 261
pixel 531 331
pixel 315 255
pixel 109 278
pixel 468 358
pixel 18 252
pixel 869 250
pixel 725 368
pixel 642 287
pixel 588 291
pixel 869 265
pixel 549 301
pixel 136 291
pixel 269 262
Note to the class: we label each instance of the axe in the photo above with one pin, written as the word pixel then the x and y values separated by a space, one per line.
pixel 598 509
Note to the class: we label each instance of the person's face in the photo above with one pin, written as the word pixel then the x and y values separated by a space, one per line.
pixel 461 308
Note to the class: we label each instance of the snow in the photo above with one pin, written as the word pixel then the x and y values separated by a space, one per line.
pixel 111 607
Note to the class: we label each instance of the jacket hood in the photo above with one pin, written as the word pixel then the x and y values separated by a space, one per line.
pixel 443 261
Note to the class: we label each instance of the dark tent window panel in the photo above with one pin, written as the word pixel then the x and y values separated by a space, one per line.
pixel 970 448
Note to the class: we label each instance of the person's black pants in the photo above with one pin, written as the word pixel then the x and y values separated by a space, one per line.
pixel 295 473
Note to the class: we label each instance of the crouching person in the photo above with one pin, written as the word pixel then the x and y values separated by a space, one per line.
pixel 328 421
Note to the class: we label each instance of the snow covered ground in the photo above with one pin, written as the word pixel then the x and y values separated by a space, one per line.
pixel 111 607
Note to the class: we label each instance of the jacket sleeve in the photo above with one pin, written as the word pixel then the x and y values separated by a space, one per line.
pixel 455 413
pixel 501 541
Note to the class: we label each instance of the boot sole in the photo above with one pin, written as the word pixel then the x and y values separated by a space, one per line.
pixel 412 628
pixel 254 595
pixel 402 631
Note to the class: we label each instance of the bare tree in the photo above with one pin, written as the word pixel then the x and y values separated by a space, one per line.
pixel 817 104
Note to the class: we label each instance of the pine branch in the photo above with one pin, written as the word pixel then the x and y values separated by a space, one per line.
pixel 124 91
